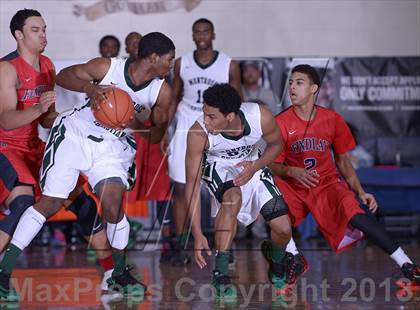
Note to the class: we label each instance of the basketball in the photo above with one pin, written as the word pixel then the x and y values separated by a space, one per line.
pixel 116 111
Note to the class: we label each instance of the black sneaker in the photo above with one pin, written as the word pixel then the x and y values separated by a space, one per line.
pixel 223 287
pixel 180 258
pixel 7 293
pixel 409 275
pixel 296 266
pixel 126 284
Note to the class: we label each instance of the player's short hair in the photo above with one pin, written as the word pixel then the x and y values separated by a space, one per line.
pixel 131 34
pixel 310 72
pixel 110 37
pixel 19 19
pixel 155 42
pixel 224 97
pixel 204 21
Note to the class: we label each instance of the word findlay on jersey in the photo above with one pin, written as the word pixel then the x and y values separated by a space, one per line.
pixel 309 144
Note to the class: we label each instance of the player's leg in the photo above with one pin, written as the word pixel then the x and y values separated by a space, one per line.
pixel 225 228
pixel 367 224
pixel 110 192
pixel 20 198
pixel 176 169
pixel 27 228
pixel 275 212
pixel 180 217
pixel 165 221
pixel 295 262
pixel 17 182
pixel 85 209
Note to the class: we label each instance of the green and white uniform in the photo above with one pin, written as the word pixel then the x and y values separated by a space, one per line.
pixel 225 152
pixel 79 144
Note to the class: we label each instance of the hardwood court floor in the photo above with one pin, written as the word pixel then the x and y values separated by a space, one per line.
pixel 359 278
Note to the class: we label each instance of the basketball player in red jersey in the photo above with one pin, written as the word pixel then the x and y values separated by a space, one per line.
pixel 27 99
pixel 312 180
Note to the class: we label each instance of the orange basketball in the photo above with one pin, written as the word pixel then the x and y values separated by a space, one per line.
pixel 116 111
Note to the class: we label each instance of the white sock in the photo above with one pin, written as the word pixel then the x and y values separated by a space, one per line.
pixel 400 257
pixel 118 234
pixel 29 225
pixel 291 247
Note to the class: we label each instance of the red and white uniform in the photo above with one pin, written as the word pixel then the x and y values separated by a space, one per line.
pixel 21 149
pixel 331 202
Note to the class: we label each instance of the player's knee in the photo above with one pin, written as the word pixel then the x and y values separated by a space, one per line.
pixel 111 192
pixel 232 200
pixel 16 208
pixel 118 233
pixel 48 206
pixel 84 207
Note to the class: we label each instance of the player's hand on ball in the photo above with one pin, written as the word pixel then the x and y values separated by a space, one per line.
pixel 201 244
pixel 246 174
pixel 370 201
pixel 46 100
pixel 97 93
pixel 307 178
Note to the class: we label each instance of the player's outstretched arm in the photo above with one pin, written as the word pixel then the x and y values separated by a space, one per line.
pixel 159 117
pixel 271 135
pixel 196 144
pixel 235 77
pixel 10 118
pixel 80 77
pixel 347 171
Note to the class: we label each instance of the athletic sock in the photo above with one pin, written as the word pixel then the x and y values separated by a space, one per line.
pixel 107 263
pixel 278 253
pixel 181 239
pixel 10 258
pixel 400 257
pixel 291 247
pixel 119 262
pixel 222 262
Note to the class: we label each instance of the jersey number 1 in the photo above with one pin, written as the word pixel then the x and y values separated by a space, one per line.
pixel 199 99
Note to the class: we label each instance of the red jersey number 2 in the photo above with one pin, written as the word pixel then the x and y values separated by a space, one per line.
pixel 310 164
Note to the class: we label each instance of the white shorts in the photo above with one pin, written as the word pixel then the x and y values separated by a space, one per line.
pixel 255 194
pixel 70 151
pixel 178 144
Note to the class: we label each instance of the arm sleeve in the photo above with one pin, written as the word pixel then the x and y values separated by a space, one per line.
pixel 343 139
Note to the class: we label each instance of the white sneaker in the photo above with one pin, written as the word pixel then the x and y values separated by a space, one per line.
pixel 106 276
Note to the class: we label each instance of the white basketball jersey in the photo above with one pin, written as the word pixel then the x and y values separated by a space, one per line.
pixel 230 150
pixel 144 97
pixel 197 78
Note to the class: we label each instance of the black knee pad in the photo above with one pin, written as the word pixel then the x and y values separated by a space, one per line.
pixel 16 207
pixel 84 207
pixel 274 208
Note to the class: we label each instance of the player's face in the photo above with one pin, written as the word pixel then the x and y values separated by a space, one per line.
pixel 165 63
pixel 109 48
pixel 203 35
pixel 214 121
pixel 301 89
pixel 251 75
pixel 133 45
pixel 33 35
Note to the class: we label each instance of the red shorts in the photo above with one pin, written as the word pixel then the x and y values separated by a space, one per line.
pixel 19 167
pixel 332 205
pixel 152 181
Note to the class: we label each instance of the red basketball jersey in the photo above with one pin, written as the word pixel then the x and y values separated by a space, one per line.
pixel 31 85
pixel 312 150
